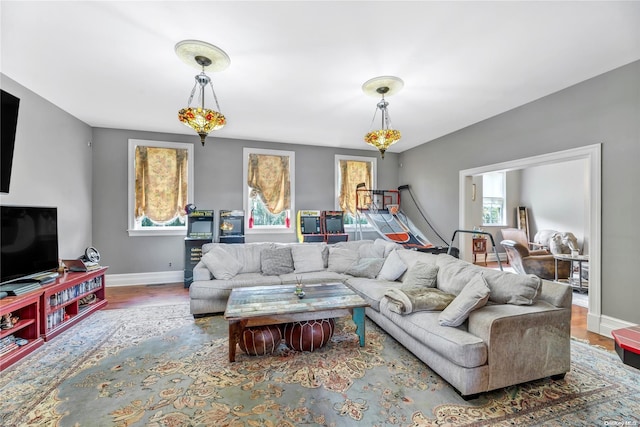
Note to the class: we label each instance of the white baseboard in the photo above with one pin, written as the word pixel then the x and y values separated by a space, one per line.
pixel 491 257
pixel 607 324
pixel 155 278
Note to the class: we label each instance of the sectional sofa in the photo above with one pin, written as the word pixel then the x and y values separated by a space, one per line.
pixel 479 329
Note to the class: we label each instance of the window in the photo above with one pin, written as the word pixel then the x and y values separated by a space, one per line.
pixel 268 190
pixel 351 171
pixel 160 186
pixel 493 198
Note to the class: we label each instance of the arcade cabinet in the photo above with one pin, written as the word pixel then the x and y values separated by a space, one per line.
pixel 333 227
pixel 199 232
pixel 231 226
pixel 309 227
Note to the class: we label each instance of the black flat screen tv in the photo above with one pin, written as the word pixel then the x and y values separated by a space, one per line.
pixel 8 125
pixel 29 241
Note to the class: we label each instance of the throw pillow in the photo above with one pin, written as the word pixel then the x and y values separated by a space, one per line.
pixel 473 296
pixel 221 264
pixel 371 250
pixel 421 275
pixel 307 257
pixel 392 268
pixel 340 259
pixel 508 288
pixel 387 246
pixel 276 261
pixel 365 267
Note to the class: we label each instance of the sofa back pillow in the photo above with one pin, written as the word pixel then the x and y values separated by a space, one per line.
pixel 365 267
pixel 392 268
pixel 454 274
pixel 506 288
pixel 221 264
pixel 421 275
pixel 247 254
pixel 308 257
pixel 250 254
pixel 473 296
pixel 387 246
pixel 410 257
pixel 354 245
pixel 276 261
pixel 371 250
pixel 510 288
pixel 341 258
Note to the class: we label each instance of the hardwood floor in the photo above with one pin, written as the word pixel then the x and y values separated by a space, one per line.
pixel 154 295
pixel 146 295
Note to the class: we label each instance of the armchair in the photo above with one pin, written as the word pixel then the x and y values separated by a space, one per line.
pixel 524 261
pixel 520 236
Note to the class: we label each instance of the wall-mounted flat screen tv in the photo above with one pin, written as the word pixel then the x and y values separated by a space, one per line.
pixel 8 125
pixel 29 241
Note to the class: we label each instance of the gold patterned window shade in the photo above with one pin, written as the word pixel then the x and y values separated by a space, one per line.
pixel 161 186
pixel 352 173
pixel 268 177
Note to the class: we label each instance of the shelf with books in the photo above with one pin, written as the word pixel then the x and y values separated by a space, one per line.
pixel 20 333
pixel 72 297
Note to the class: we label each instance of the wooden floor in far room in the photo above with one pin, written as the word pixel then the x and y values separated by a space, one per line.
pixel 153 295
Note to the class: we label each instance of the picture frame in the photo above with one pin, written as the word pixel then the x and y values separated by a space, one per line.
pixel 523 220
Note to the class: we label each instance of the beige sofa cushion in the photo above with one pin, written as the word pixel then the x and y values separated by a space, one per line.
pixel 248 254
pixel 341 258
pixel 505 287
pixel 510 288
pixel 372 291
pixel 392 268
pixel 371 250
pixel 421 274
pixel 454 344
pixel 323 276
pixel 221 264
pixel 307 258
pixel 203 289
pixel 365 267
pixel 276 261
pixel 472 297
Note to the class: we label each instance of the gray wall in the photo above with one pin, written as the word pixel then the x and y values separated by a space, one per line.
pixel 556 197
pixel 218 185
pixel 52 167
pixel 605 109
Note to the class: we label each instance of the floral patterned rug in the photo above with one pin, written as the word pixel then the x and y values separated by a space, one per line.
pixel 158 366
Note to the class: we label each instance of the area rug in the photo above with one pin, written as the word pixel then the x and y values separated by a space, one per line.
pixel 158 366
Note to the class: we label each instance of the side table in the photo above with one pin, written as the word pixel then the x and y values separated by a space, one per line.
pixel 578 259
pixel 479 247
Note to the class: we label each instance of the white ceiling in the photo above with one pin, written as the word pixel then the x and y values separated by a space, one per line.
pixel 297 67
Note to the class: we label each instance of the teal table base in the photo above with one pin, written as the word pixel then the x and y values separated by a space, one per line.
pixel 358 319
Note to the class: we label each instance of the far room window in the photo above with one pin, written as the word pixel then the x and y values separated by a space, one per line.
pixel 493 198
pixel 268 190
pixel 351 171
pixel 160 186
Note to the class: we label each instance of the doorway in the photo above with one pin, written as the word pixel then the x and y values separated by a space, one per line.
pixel 592 155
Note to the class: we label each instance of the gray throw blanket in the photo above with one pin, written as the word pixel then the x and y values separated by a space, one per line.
pixel 409 300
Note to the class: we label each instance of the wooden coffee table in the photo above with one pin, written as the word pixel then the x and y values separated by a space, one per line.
pixel 272 305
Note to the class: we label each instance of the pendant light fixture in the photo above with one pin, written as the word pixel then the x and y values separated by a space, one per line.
pixel 205 57
pixel 386 136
